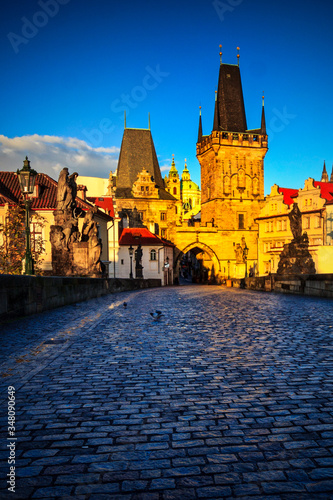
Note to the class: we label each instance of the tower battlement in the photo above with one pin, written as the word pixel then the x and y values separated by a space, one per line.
pixel 242 139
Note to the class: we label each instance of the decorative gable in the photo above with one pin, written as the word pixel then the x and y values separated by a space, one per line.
pixel 145 186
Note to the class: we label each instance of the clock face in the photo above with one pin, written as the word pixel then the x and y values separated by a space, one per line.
pixel 175 180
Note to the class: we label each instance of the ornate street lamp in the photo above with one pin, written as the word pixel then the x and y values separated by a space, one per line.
pixel 245 253
pixel 228 262
pixel 27 177
pixel 166 268
pixel 131 252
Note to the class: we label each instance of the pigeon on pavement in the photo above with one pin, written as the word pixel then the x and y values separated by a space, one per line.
pixel 156 315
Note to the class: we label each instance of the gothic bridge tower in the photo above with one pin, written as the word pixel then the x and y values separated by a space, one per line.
pixel 231 158
pixel 232 184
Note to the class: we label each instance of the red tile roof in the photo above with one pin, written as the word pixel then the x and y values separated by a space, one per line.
pixel 289 195
pixel 326 189
pixel 136 236
pixel 104 202
pixel 10 192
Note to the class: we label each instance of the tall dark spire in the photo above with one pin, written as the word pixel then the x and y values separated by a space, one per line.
pixel 331 179
pixel 324 175
pixel 216 125
pixel 200 127
pixel 230 101
pixel 263 119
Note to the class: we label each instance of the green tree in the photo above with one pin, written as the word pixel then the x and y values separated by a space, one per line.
pixel 12 241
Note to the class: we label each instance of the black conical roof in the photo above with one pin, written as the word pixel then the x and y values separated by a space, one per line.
pixel 137 152
pixel 230 101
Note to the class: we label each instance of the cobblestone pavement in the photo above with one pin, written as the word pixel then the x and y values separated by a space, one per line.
pixel 229 395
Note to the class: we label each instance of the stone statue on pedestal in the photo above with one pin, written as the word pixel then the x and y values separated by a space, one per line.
pixel 74 253
pixel 90 235
pixel 295 257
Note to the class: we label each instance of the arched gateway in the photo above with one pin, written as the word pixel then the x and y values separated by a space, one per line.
pixel 195 255
pixel 199 260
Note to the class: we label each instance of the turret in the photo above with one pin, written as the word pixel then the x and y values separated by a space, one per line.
pixel 200 127
pixel 324 175
pixel 263 120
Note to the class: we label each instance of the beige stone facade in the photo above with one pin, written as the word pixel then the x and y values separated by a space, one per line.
pixel 274 226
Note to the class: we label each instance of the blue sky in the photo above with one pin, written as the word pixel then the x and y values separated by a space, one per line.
pixel 70 68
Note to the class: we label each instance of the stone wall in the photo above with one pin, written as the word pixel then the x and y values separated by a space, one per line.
pixel 319 285
pixel 24 295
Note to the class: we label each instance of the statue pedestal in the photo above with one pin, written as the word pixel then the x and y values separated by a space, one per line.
pixel 81 258
pixel 84 260
pixel 62 259
pixel 296 258
pixel 240 271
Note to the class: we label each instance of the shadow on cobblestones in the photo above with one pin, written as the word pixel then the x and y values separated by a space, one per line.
pixel 229 395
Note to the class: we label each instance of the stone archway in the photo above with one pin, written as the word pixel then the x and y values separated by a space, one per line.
pixel 207 259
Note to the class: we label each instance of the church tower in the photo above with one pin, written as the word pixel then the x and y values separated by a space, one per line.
pixel 231 158
pixel 172 181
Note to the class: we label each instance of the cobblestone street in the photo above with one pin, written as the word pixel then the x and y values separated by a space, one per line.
pixel 228 395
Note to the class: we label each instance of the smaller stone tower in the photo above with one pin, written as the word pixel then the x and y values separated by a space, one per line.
pixel 172 181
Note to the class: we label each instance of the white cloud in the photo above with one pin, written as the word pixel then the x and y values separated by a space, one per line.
pixel 50 154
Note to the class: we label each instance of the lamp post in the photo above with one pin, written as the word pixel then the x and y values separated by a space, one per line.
pixel 228 262
pixel 27 177
pixel 131 252
pixel 166 267
pixel 245 253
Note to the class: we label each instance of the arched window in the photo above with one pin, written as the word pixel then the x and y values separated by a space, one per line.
pixel 153 254
pixel 174 190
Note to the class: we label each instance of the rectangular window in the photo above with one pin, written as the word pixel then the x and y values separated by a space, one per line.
pixel 306 222
pixel 36 236
pixel 241 224
pixel 318 222
pixel 141 215
pixel 163 233
pixel 163 216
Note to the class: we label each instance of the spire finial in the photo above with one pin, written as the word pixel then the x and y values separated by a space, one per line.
pixel 324 175
pixel 200 110
pixel 125 118
pixel 238 56
pixel 149 121
pixel 263 119
pixel 215 95
pixel 220 54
